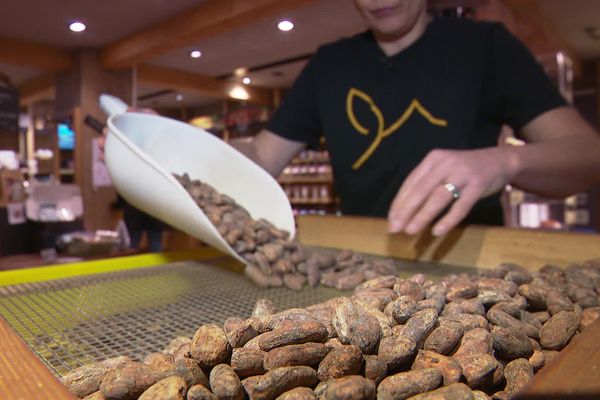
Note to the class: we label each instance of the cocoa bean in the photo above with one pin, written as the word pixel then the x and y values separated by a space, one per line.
pixel 129 381
pixel 225 383
pixel 454 391
pixel 445 338
pixel 450 368
pixel 589 316
pixel 248 362
pixel 518 373
pixel 263 308
pixel 280 380
pixel 299 393
pixel 350 388
pixel 309 354
pixel 342 361
pixel 409 289
pixel 292 333
pixel 535 295
pixel 420 325
pixel 403 308
pixel 397 350
pixel 478 369
pixel 200 392
pixel 405 384
pixel 210 346
pixel 354 326
pixel 475 341
pixel 84 380
pixel 559 329
pixel 461 290
pixel 188 370
pixel 171 388
pixel 375 368
pixel 510 344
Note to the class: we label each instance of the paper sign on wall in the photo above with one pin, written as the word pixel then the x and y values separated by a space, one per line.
pixel 15 213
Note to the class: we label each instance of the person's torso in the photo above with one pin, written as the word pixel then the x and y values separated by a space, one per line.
pixel 382 115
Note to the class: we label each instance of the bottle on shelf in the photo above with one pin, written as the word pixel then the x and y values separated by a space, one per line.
pixel 308 183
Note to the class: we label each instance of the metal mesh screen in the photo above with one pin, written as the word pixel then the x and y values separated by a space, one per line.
pixel 76 321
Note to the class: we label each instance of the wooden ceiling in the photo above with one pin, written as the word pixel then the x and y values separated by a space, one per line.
pixel 157 35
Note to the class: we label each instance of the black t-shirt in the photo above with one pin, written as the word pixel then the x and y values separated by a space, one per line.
pixel 452 89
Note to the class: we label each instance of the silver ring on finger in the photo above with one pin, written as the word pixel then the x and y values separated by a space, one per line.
pixel 452 189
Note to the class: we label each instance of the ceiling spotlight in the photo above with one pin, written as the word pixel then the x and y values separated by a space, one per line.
pixel 238 92
pixel 285 25
pixel 195 54
pixel 240 71
pixel 246 80
pixel 77 26
pixel 179 97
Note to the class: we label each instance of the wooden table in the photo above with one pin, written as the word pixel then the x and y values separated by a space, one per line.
pixel 575 374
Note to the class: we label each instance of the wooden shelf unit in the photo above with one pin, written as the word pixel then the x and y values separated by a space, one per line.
pixel 308 183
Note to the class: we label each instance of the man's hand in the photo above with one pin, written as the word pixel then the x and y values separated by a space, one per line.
pixel 423 195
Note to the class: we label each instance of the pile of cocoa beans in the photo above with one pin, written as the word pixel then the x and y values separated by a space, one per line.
pixel 273 258
pixel 463 337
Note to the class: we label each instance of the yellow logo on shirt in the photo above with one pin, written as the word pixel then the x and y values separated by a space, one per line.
pixel 382 131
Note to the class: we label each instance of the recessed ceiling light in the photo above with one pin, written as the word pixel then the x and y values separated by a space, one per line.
pixel 195 54
pixel 179 97
pixel 246 80
pixel 240 71
pixel 285 25
pixel 238 92
pixel 77 26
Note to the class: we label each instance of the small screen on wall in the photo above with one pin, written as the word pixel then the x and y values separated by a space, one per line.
pixel 66 137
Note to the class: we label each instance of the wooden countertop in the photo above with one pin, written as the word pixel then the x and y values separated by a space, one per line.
pixel 475 246
pixel 22 374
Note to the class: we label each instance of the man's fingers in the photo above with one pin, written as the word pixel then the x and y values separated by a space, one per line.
pixel 414 193
pixel 457 212
pixel 439 199
pixel 414 199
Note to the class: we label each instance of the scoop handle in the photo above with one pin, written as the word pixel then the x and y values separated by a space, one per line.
pixel 112 105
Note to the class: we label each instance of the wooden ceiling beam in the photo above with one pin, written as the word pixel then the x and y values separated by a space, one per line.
pixel 182 80
pixel 39 88
pixel 527 21
pixel 34 55
pixel 210 18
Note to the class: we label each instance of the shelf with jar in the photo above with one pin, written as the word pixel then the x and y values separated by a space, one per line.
pixel 308 183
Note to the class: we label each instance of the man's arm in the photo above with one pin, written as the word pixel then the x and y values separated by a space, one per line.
pixel 270 151
pixel 562 158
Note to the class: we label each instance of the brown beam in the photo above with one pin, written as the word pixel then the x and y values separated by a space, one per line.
pixel 527 21
pixel 176 79
pixel 39 88
pixel 211 18
pixel 35 55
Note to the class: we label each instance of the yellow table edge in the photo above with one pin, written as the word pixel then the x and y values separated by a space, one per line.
pixel 61 271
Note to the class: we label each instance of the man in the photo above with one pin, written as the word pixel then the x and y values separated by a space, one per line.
pixel 411 112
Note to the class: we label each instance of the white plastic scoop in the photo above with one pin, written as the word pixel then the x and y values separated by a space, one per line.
pixel 143 151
